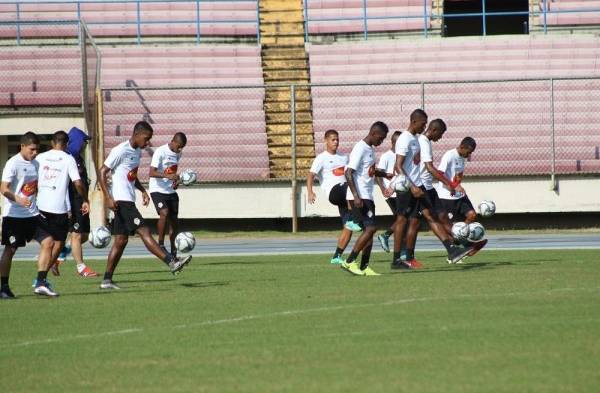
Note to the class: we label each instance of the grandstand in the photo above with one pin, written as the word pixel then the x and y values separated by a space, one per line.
pixel 526 98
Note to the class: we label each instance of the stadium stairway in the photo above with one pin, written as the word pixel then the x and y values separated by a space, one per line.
pixel 284 60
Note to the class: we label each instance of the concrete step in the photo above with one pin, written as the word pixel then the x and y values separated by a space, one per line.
pixel 279 5
pixel 276 107
pixel 282 28
pixel 283 151
pixel 282 40
pixel 285 118
pixel 284 130
pixel 286 75
pixel 274 64
pixel 286 140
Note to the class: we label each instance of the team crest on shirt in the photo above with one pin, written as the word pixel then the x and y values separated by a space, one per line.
pixel 30 188
pixel 132 174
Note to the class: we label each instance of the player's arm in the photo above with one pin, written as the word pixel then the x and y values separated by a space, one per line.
pixel 379 181
pixel 310 179
pixel 145 196
pixel 379 173
pixel 457 182
pixel 161 175
pixel 399 168
pixel 80 188
pixel 438 175
pixel 349 173
pixel 7 192
pixel 110 202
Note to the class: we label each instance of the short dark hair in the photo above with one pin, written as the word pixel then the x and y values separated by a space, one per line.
pixel 381 125
pixel 180 137
pixel 60 138
pixel 468 142
pixel 142 126
pixel 30 138
pixel 418 114
pixel 438 124
pixel 396 134
pixel 330 132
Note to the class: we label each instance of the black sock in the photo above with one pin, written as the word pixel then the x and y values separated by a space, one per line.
pixel 161 243
pixel 41 277
pixel 108 276
pixel 168 258
pixel 338 252
pixel 352 257
pixel 366 255
pixel 447 244
pixel 4 281
pixel 396 256
pixel 388 233
pixel 410 254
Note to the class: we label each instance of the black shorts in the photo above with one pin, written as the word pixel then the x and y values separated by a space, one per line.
pixel 80 223
pixel 127 219
pixel 365 216
pixel 434 201
pixel 17 232
pixel 406 204
pixel 54 225
pixel 392 204
pixel 456 209
pixel 337 196
pixel 166 201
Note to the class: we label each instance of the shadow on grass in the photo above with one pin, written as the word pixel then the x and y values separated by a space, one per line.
pixel 144 272
pixel 242 262
pixel 205 284
pixel 469 266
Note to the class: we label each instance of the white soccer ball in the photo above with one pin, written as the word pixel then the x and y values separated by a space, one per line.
pixel 185 242
pixel 100 237
pixel 401 184
pixel 460 230
pixel 476 232
pixel 487 208
pixel 188 177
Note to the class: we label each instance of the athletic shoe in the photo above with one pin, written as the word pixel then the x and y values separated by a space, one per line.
pixel 352 226
pixel 401 264
pixel 477 246
pixel 164 249
pixel 87 272
pixel 384 242
pixel 457 253
pixel 109 284
pixel 6 293
pixel 337 260
pixel 44 290
pixel 46 283
pixel 55 267
pixel 414 264
pixel 370 272
pixel 353 268
pixel 178 264
pixel 66 250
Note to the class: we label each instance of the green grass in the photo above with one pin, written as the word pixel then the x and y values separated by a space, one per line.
pixel 512 321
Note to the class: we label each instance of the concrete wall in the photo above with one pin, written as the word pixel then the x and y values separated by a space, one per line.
pixel 42 124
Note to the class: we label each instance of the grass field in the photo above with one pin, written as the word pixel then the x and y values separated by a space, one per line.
pixel 510 321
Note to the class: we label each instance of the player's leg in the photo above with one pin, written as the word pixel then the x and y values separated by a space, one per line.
pixel 405 204
pixel 5 264
pixel 174 264
pixel 46 230
pixel 173 221
pixel 414 222
pixel 345 234
pixel 364 243
pixel 114 256
pixel 384 238
pixel 162 209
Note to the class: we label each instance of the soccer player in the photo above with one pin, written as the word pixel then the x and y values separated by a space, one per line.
pixel 164 181
pixel 20 213
pixel 56 169
pixel 79 222
pixel 359 174
pixel 386 163
pixel 329 167
pixel 123 162
pixel 410 203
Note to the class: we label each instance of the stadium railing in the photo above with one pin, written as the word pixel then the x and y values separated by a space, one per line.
pixel 133 17
pixel 542 13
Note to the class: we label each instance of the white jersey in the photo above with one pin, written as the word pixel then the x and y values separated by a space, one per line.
pixel 165 161
pixel 56 169
pixel 452 164
pixel 330 169
pixel 362 160
pixel 426 156
pixel 387 162
pixel 123 161
pixel 22 175
pixel 407 145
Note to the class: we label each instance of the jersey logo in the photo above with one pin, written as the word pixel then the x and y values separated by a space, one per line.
pixel 30 188
pixel 171 170
pixel 132 175
pixel 338 171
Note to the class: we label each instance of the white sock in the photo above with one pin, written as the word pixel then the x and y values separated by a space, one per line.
pixel 80 267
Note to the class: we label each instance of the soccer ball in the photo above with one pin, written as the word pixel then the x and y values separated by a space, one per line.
pixel 401 184
pixel 188 177
pixel 487 208
pixel 185 242
pixel 476 232
pixel 100 237
pixel 460 230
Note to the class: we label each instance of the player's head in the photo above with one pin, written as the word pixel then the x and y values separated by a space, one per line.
pixel 142 133
pixel 377 133
pixel 30 143
pixel 418 120
pixel 395 137
pixel 466 147
pixel 178 142
pixel 436 129
pixel 60 140
pixel 332 140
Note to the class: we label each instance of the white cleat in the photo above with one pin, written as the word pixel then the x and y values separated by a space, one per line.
pixel 43 290
pixel 109 284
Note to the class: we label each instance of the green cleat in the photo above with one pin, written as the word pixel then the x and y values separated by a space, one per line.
pixel 370 272
pixel 384 242
pixel 352 226
pixel 337 260
pixel 353 268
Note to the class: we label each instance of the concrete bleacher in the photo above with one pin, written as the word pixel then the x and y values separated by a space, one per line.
pixel 570 16
pixel 225 127
pixel 490 112
pixel 351 14
pixel 114 18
